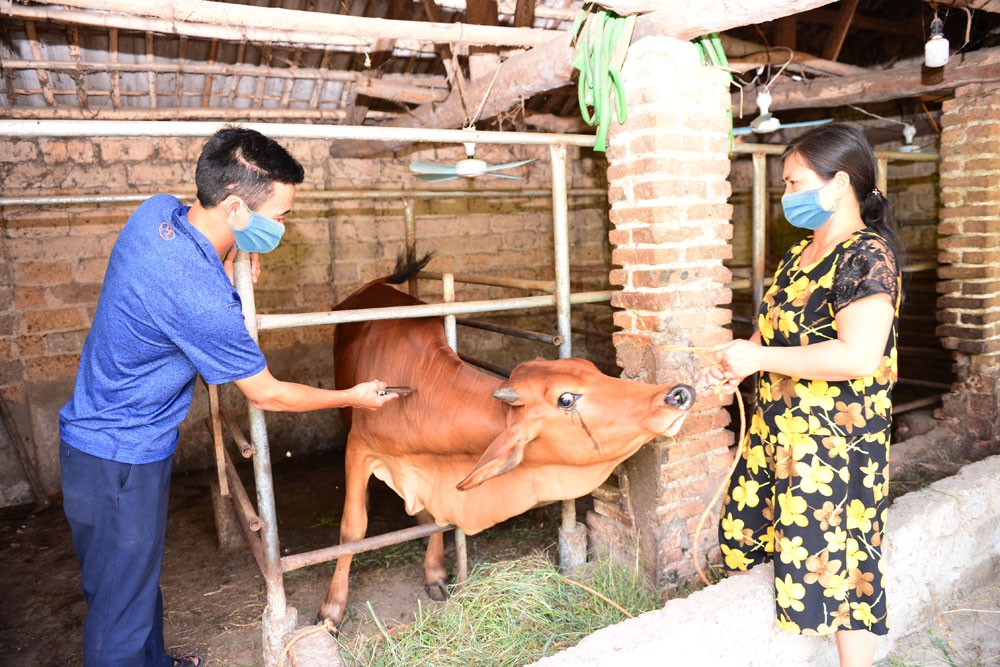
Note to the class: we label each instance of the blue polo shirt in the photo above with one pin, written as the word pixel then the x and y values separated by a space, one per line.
pixel 166 313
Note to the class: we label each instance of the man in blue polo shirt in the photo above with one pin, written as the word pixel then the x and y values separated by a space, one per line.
pixel 168 312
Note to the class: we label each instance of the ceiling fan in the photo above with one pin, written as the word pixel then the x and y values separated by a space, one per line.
pixel 470 167
pixel 766 122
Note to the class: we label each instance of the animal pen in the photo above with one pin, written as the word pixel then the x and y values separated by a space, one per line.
pixel 260 524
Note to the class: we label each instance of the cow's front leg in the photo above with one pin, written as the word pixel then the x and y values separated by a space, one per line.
pixel 435 570
pixel 353 526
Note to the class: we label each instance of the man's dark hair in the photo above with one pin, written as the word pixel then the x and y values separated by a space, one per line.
pixel 245 163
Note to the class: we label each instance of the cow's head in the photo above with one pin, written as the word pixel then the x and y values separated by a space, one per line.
pixel 568 412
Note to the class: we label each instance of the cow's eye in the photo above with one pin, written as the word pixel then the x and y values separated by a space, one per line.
pixel 568 400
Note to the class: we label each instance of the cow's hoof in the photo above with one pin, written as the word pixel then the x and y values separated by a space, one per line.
pixel 333 629
pixel 438 591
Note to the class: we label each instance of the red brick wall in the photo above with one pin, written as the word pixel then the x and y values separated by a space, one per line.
pixel 969 287
pixel 667 175
pixel 53 258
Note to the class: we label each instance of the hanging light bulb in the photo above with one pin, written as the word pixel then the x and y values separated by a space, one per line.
pixel 909 132
pixel 936 48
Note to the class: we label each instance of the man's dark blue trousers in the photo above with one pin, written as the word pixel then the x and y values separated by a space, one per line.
pixel 118 516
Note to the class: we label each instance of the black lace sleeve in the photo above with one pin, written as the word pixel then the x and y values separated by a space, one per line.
pixel 868 267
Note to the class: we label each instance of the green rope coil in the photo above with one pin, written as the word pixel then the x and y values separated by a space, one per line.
pixel 711 53
pixel 602 39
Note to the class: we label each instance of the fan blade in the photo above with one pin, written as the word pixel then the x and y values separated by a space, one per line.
pixel 419 167
pixel 434 178
pixel 806 123
pixel 518 178
pixel 737 131
pixel 509 165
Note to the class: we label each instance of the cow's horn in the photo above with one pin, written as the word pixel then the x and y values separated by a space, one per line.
pixel 507 394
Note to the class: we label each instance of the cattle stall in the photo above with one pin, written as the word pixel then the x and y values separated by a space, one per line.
pixel 260 525
pixel 238 496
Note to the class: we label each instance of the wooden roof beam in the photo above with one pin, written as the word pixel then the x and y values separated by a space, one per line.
pixel 351 30
pixel 897 83
pixel 840 28
pixel 904 28
pixel 738 50
pixel 547 67
pixel 992 6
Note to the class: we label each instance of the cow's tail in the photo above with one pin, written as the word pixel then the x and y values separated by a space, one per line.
pixel 407 267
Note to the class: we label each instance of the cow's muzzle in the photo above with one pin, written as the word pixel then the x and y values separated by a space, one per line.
pixel 680 397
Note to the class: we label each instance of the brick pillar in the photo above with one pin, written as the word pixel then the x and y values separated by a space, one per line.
pixel 969 271
pixel 667 177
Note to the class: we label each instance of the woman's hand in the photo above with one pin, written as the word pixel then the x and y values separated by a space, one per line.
pixel 227 265
pixel 739 358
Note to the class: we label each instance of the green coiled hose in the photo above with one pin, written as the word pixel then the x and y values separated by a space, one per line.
pixel 602 38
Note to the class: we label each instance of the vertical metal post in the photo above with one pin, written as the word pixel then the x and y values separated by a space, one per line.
pixel 278 619
pixel 882 174
pixel 572 534
pixel 411 243
pixel 759 232
pixel 451 336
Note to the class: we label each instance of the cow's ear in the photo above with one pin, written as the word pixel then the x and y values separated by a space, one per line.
pixel 503 455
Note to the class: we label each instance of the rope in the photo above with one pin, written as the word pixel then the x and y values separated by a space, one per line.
pixel 725 481
pixel 326 626
pixel 602 39
pixel 600 595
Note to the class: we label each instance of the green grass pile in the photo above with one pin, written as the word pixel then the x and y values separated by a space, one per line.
pixel 508 614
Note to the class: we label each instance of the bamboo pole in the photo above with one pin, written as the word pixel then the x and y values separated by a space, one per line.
pixel 217 440
pixel 206 88
pixel 339 195
pixel 235 84
pixel 179 81
pixel 151 77
pixel 73 42
pixel 36 52
pixel 139 114
pixel 759 235
pixel 116 87
pixel 97 128
pixel 360 30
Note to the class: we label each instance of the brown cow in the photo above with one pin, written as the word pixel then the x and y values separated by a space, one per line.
pixel 455 453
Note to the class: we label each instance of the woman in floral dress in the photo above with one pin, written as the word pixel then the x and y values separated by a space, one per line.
pixel 811 490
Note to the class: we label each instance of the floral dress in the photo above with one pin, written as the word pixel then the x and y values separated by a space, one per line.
pixel 811 489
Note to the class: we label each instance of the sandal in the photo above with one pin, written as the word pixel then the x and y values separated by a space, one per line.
pixel 188 660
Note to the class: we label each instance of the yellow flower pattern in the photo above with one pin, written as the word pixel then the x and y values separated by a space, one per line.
pixel 811 490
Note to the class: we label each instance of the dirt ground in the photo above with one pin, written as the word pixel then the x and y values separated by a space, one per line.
pixel 214 600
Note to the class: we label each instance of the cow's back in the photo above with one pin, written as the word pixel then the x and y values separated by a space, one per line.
pixel 451 406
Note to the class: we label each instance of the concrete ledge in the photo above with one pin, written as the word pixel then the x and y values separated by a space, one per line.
pixel 937 536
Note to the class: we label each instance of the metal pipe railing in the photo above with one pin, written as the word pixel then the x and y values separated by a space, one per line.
pixel 307 558
pixel 286 321
pixel 276 620
pixel 451 336
pixel 492 281
pixel 312 195
pixel 527 334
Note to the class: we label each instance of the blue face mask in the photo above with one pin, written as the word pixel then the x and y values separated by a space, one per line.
pixel 262 234
pixel 803 210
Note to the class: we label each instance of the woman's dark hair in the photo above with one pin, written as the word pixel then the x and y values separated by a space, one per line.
pixel 827 149
pixel 245 163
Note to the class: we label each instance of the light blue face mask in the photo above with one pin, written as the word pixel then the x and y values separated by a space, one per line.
pixel 262 234
pixel 803 210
